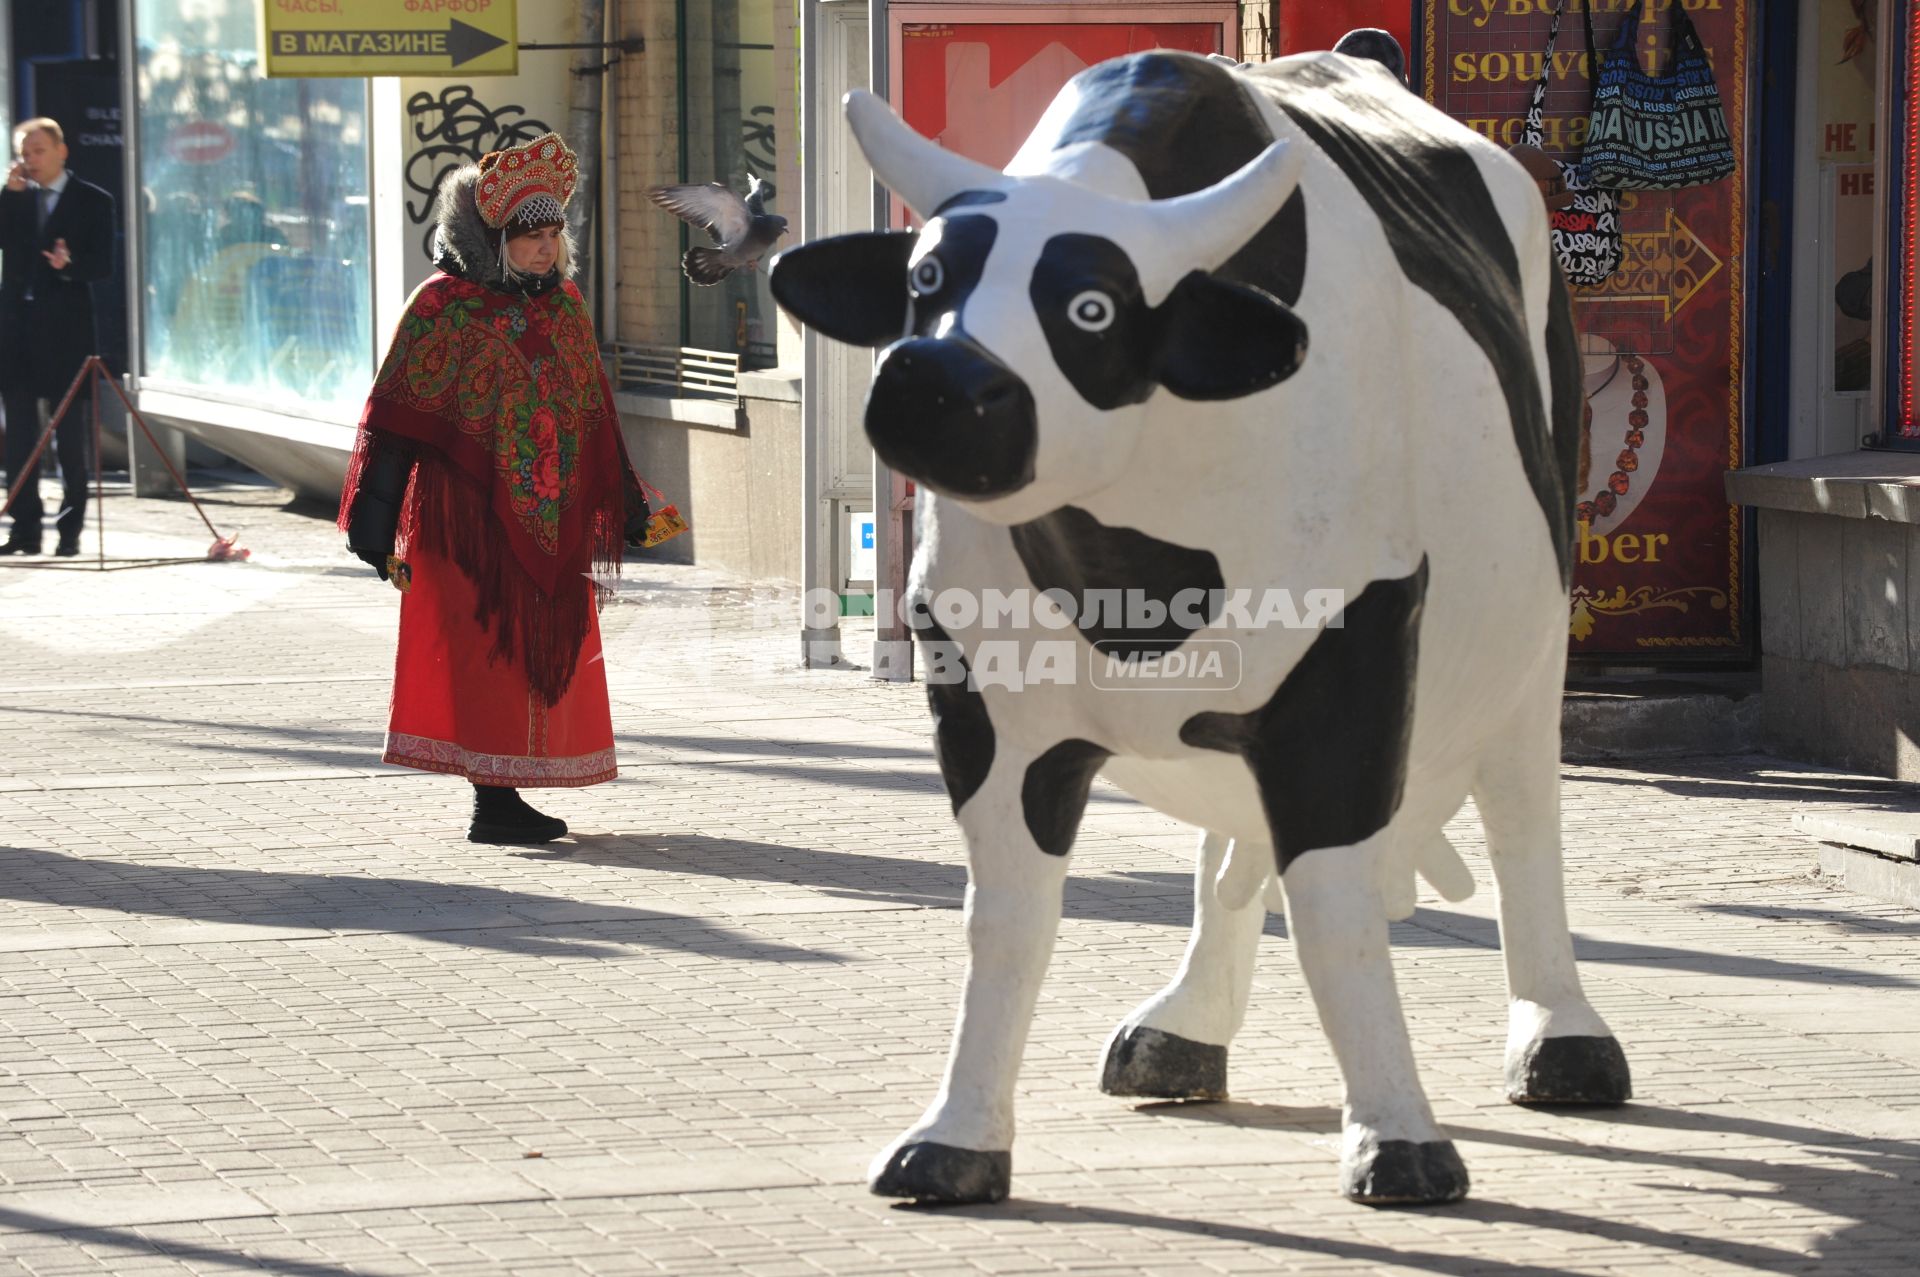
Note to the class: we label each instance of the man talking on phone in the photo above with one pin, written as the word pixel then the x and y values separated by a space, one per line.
pixel 56 235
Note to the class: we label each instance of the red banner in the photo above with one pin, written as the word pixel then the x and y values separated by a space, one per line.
pixel 1660 550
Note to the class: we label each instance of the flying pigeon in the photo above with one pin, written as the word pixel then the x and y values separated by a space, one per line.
pixel 742 228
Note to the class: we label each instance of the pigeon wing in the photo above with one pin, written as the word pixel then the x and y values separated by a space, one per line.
pixel 712 207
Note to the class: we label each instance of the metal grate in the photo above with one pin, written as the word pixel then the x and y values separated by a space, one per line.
pixel 685 370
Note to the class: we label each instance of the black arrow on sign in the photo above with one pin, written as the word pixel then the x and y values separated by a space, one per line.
pixel 465 43
pixel 460 43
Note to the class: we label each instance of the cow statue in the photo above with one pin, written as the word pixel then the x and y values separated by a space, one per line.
pixel 1096 367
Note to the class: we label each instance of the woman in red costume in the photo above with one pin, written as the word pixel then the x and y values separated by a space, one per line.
pixel 489 464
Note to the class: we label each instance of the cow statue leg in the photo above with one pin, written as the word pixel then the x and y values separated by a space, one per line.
pixel 1559 1050
pixel 1174 1045
pixel 1392 1150
pixel 1019 828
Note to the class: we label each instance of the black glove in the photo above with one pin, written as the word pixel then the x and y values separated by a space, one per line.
pixel 375 516
pixel 639 514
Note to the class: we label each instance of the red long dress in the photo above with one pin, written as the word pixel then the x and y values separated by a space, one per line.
pixel 517 500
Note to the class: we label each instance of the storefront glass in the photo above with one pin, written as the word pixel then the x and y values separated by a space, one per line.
pixel 254 221
pixel 732 82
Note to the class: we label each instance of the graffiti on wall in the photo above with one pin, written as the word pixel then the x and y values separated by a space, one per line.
pixel 452 128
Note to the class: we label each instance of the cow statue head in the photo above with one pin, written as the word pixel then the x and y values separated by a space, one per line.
pixel 1027 328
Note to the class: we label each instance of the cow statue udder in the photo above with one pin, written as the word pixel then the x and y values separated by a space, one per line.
pixel 1096 366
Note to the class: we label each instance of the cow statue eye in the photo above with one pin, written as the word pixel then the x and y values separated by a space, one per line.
pixel 1091 311
pixel 928 276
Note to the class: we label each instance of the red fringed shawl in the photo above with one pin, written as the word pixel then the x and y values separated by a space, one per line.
pixel 520 481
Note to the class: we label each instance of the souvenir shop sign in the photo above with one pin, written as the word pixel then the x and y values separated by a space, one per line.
pixel 1658 577
pixel 388 37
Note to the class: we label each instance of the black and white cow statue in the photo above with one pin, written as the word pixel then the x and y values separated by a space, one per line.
pixel 1096 366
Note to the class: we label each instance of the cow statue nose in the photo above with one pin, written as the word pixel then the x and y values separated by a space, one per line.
pixel 944 412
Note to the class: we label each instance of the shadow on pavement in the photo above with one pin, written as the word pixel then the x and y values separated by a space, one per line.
pixel 1764 780
pixel 1391 1258
pixel 447 913
pixel 201 1258
pixel 1165 899
pixel 1874 1189
pixel 1484 933
pixel 1869 1192
pixel 1833 917
pixel 346 747
pixel 1248 1115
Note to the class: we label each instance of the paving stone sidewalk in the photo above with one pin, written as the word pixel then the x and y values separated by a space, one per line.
pixel 263 1008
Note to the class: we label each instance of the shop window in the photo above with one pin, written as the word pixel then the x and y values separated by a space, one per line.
pixel 253 214
pixel 730 82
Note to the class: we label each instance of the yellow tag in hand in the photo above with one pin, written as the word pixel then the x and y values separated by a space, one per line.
pixel 665 524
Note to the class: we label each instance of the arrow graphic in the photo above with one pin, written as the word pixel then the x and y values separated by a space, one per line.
pixel 460 43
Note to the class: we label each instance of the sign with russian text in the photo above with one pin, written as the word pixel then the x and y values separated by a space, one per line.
pixel 1660 551
pixel 388 37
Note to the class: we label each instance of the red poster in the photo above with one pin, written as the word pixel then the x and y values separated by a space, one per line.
pixel 1660 551
pixel 979 87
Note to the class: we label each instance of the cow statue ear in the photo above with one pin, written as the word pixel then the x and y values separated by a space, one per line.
pixel 1221 341
pixel 853 288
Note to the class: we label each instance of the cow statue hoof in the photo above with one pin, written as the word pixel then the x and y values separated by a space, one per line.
pixel 1404 1173
pixel 1148 1063
pixel 1570 1070
pixel 943 1175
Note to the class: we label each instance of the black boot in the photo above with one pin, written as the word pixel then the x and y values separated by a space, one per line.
pixel 501 816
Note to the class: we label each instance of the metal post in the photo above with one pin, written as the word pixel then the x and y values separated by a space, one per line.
pixel 819 623
pixel 97 371
pixel 892 644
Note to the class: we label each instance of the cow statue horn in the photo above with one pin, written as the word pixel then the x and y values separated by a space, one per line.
pixel 1213 224
pixel 921 172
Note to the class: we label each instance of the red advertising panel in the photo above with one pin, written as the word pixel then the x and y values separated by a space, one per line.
pixel 1660 550
pixel 979 87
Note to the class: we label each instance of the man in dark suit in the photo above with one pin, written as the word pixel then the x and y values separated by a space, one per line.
pixel 56 235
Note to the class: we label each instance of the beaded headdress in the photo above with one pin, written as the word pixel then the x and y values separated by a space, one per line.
pixel 529 184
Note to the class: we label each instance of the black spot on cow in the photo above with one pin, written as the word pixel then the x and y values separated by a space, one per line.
pixel 946 267
pixel 1186 123
pixel 963 739
pixel 1446 234
pixel 852 288
pixel 1053 794
pixel 1564 375
pixel 1086 294
pixel 1210 339
pixel 1071 551
pixel 965 198
pixel 1329 749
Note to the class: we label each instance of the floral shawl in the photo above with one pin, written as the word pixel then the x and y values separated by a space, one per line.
pixel 520 480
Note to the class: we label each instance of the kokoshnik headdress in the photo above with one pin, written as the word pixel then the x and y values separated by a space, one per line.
pixel 529 184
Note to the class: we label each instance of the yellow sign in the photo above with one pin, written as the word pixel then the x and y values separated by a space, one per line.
pixel 389 37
